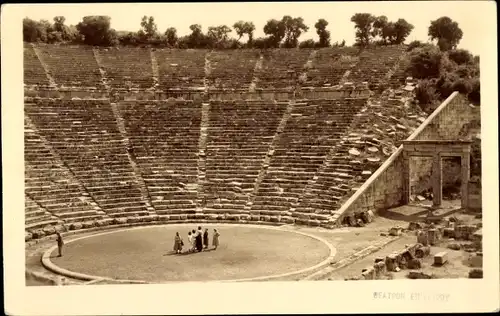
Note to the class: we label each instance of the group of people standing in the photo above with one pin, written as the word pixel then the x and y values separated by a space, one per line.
pixel 198 240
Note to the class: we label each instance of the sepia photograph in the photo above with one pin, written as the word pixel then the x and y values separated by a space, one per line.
pixel 345 149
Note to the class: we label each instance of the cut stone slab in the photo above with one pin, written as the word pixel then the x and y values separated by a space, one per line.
pixel 373 159
pixel 440 258
pixel 372 149
pixel 354 152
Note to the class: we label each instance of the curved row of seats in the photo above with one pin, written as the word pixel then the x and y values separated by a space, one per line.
pixel 78 160
pixel 85 136
pixel 126 67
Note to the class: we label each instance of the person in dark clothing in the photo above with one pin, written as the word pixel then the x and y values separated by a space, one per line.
pixel 199 239
pixel 60 243
pixel 205 238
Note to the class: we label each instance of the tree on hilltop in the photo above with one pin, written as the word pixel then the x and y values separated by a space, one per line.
pixel 401 31
pixel 382 28
pixel 324 35
pixel 196 39
pixel 446 31
pixel 243 28
pixel 218 35
pixel 34 31
pixel 288 29
pixel 391 32
pixel 171 36
pixel 96 30
pixel 363 23
pixel 148 26
pixel 294 27
pixel 276 31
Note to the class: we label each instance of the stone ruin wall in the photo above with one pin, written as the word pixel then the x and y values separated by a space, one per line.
pixel 384 188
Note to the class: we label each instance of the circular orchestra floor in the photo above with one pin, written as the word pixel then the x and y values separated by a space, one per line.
pixel 146 254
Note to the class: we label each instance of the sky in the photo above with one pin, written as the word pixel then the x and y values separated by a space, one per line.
pixel 126 17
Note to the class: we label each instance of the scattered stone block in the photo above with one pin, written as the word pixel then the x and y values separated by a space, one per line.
pixel 379 259
pixel 440 258
pixel 60 228
pixel 414 275
pixel 454 246
pixel 371 215
pixel 366 173
pixel 354 152
pixel 373 160
pixel 76 226
pixel 28 236
pixel 422 252
pixel 391 262
pixel 433 236
pixel 49 230
pixel 366 217
pixel 350 220
pixel 414 264
pixel 395 231
pixel 420 198
pixel 37 234
pixel 360 223
pixel 414 226
pixel 476 261
pixel 368 273
pixel 477 238
pixel 373 149
pixel 449 232
pixel 476 273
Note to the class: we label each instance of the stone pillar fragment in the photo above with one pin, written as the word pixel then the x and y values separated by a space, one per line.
pixel 437 180
pixel 465 164
pixel 406 179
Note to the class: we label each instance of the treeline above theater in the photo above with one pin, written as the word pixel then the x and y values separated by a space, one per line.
pixel 284 32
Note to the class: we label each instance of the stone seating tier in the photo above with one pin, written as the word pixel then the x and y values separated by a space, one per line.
pixel 181 68
pixel 282 68
pixel 302 149
pixel 329 65
pixel 164 140
pixel 34 73
pixel 375 63
pixel 97 142
pixel 232 69
pixel 238 137
pixel 127 67
pixel 74 129
pixel 71 65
